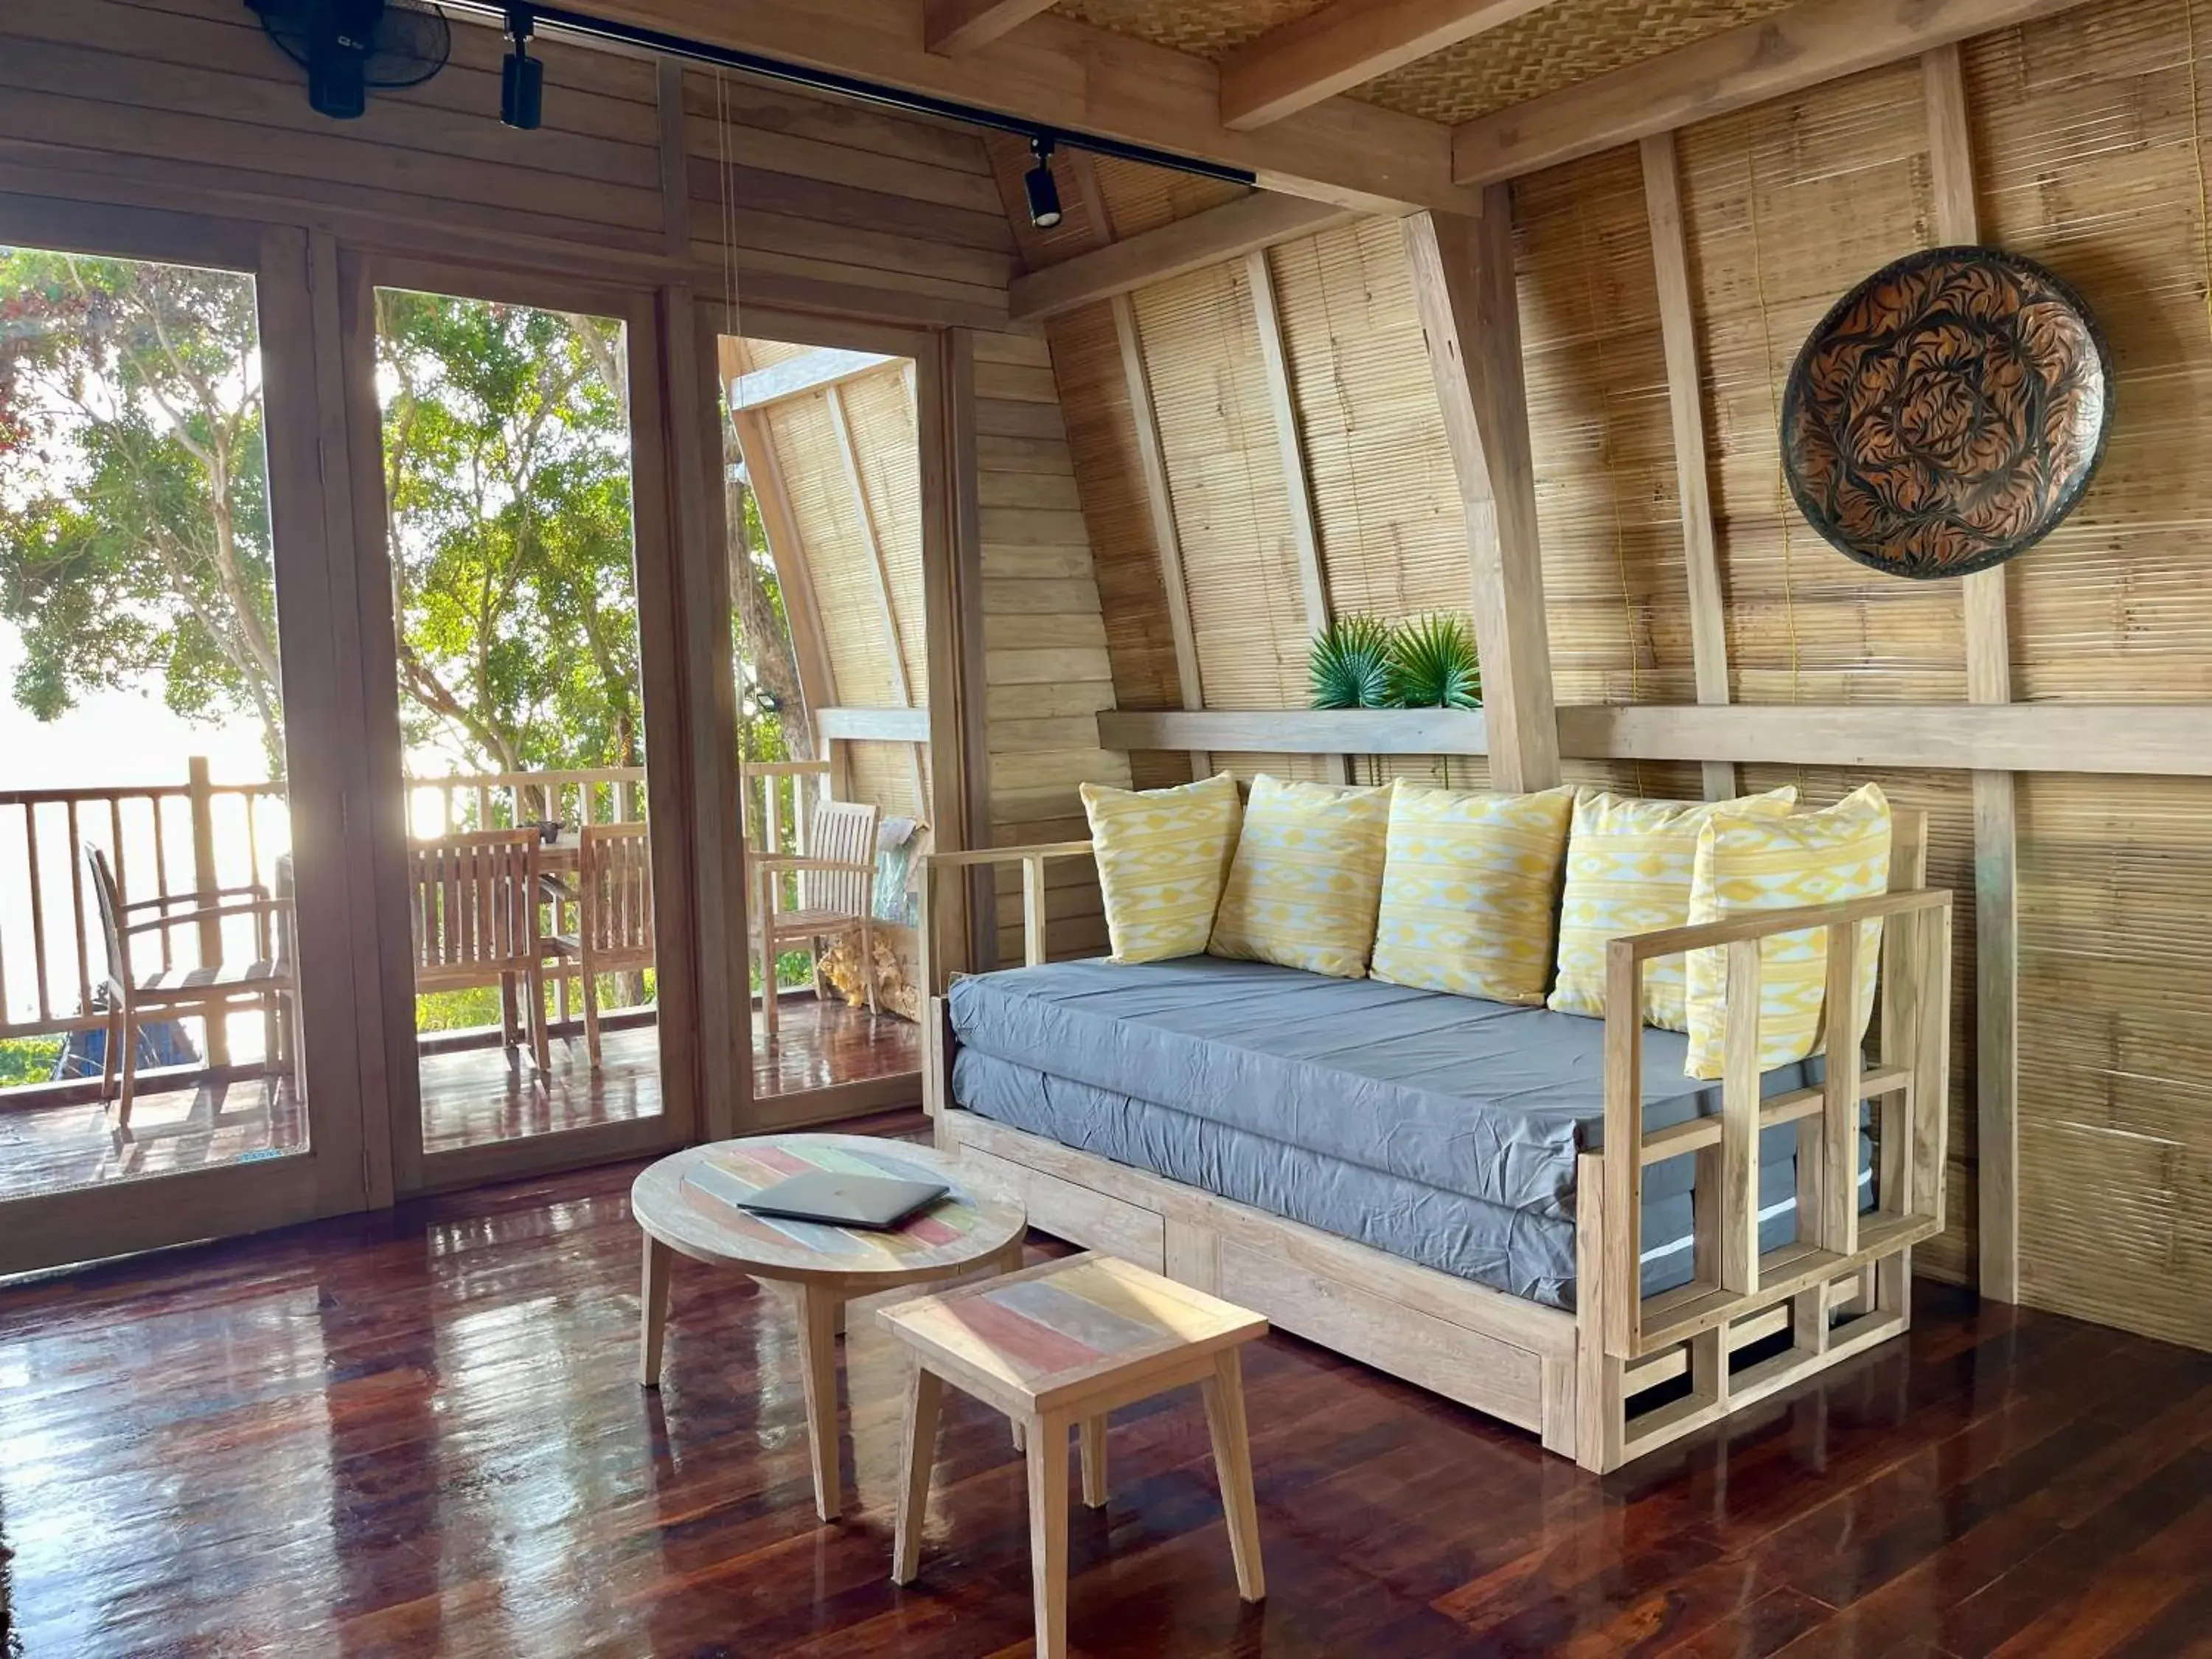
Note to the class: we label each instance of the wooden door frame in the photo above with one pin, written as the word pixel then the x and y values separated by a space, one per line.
pixel 664 689
pixel 318 650
pixel 945 427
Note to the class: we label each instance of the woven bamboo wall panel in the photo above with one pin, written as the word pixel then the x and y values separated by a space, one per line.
pixel 1209 29
pixel 2116 1051
pixel 1386 500
pixel 1210 398
pixel 2082 137
pixel 1947 798
pixel 1608 513
pixel 830 542
pixel 1786 206
pixel 879 409
pixel 1139 198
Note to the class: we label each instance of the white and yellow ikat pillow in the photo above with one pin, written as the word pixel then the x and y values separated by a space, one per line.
pixel 1629 868
pixel 1306 877
pixel 1751 863
pixel 1470 889
pixel 1162 859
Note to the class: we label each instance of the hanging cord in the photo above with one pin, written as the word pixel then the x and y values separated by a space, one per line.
pixel 1781 481
pixel 2196 153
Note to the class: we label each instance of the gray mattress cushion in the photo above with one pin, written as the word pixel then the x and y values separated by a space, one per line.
pixel 1483 1099
pixel 1525 1253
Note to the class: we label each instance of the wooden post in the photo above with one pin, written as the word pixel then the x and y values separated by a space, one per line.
pixel 1463 284
pixel 204 882
pixel 1989 679
pixel 1662 206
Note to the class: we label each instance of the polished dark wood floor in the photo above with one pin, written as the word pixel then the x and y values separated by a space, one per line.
pixel 470 1097
pixel 423 1434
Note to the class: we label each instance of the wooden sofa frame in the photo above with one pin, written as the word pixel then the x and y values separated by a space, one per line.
pixel 1578 1379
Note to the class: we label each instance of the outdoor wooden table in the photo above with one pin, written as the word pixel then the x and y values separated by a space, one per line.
pixel 687 1205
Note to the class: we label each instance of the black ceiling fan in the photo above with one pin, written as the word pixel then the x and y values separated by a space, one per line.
pixel 348 46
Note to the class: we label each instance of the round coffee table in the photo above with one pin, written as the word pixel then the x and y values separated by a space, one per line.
pixel 687 1205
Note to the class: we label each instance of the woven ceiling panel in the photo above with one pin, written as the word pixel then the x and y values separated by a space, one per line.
pixel 1555 46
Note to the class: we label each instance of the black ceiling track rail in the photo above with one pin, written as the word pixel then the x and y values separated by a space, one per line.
pixel 584 25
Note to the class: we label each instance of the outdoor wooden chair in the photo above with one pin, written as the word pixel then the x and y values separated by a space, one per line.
pixel 472 904
pixel 210 990
pixel 836 871
pixel 613 900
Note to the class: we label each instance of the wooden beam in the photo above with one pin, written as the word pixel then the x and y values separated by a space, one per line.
pixel 1083 79
pixel 1212 238
pixel 880 571
pixel 1997 833
pixel 872 724
pixel 1151 462
pixel 2146 739
pixel 1678 333
pixel 675 160
pixel 958 26
pixel 1814 41
pixel 1298 63
pixel 1463 284
pixel 1297 487
pixel 794 377
pixel 787 551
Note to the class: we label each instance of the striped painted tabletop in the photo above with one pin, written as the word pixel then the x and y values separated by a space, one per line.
pixel 689 1200
pixel 1078 1321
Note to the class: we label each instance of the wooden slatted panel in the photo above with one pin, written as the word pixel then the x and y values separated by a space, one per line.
pixel 1616 593
pixel 879 411
pixel 1786 207
pixel 1141 198
pixel 1386 501
pixel 1100 448
pixel 1210 396
pixel 1042 612
pixel 2081 138
pixel 832 543
pixel 1947 798
pixel 1076 231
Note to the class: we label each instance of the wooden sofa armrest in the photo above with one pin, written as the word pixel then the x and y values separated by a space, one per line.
pixel 1031 858
pixel 1907 1082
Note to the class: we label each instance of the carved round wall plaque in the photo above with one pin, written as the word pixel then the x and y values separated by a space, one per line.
pixel 1947 412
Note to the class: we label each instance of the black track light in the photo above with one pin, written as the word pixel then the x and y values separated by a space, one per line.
pixel 521 77
pixel 1043 194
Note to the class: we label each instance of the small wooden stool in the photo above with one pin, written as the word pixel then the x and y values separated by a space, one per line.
pixel 1062 1344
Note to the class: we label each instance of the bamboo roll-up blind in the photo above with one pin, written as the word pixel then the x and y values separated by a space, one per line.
pixel 883 773
pixel 1209 396
pixel 2116 1051
pixel 1102 443
pixel 1786 206
pixel 2082 138
pixel 879 409
pixel 1947 798
pixel 1386 500
pixel 831 542
pixel 1616 595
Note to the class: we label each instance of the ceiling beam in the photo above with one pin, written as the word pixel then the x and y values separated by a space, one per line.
pixel 1327 52
pixel 1814 41
pixel 1228 232
pixel 958 26
pixel 1061 73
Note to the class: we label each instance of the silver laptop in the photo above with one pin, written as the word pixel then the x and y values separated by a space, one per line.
pixel 845 1201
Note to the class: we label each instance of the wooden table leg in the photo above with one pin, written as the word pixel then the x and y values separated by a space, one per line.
pixel 1092 1434
pixel 1047 1468
pixel 1232 1467
pixel 652 1311
pixel 818 1368
pixel 924 1392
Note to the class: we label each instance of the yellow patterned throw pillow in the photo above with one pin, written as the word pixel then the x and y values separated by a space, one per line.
pixel 1746 863
pixel 1629 865
pixel 1163 856
pixel 1308 873
pixel 1470 887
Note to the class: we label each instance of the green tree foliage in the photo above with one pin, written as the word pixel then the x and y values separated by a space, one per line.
pixel 134 520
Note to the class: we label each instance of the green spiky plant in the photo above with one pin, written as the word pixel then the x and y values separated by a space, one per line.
pixel 1433 664
pixel 1350 665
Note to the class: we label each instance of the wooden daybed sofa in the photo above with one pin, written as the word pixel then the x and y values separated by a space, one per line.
pixel 1778 1213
